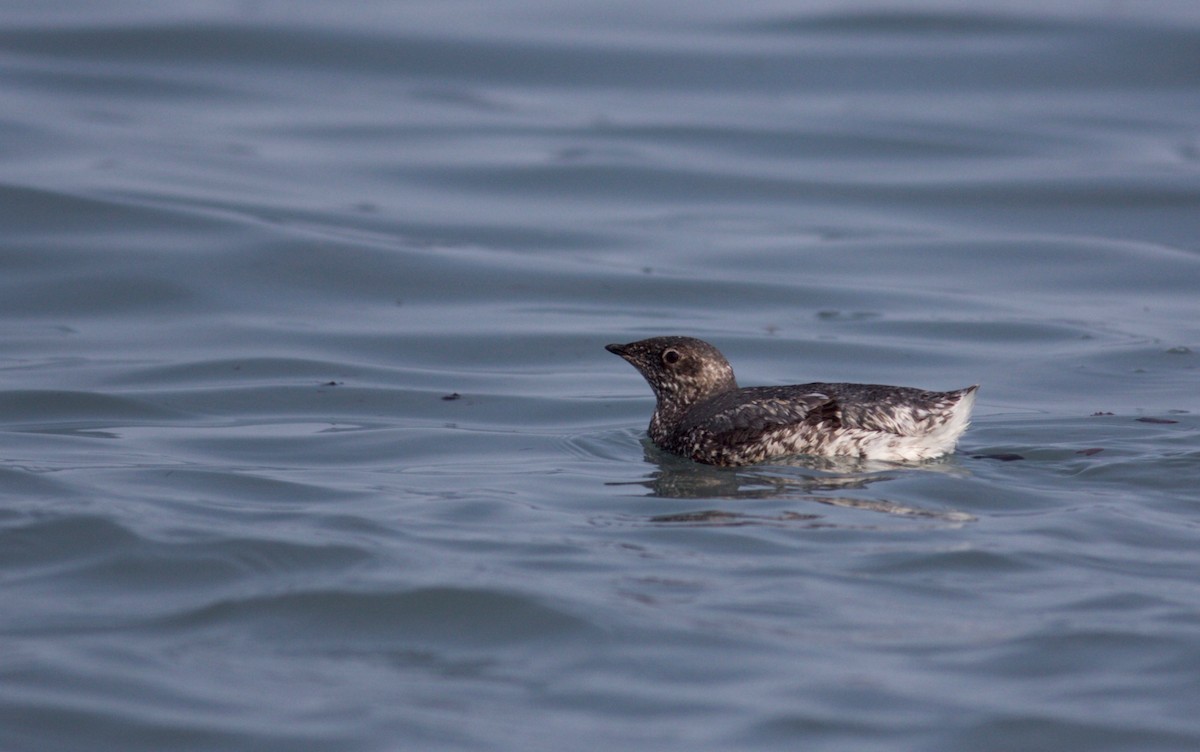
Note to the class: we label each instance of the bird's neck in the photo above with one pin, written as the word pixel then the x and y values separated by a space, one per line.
pixel 671 407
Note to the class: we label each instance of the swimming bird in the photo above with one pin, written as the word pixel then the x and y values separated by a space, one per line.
pixel 701 412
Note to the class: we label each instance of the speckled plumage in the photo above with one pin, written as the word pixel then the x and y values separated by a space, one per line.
pixel 702 414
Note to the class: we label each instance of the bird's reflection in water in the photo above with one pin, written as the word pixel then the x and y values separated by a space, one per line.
pixel 807 479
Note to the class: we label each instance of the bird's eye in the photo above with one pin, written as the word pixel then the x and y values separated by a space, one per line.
pixel 670 357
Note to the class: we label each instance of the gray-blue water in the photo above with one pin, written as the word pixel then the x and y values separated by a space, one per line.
pixel 250 252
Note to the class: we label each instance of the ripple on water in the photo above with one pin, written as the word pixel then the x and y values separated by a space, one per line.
pixel 455 617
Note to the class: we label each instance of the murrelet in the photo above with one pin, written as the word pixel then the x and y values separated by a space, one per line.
pixel 702 414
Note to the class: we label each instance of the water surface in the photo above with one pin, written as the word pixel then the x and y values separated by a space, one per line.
pixel 308 440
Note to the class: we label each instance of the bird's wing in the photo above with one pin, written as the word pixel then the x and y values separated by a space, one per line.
pixel 745 418
pixel 898 410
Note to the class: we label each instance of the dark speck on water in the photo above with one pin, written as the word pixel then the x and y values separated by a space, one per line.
pixel 1001 456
